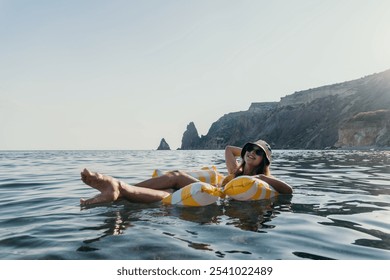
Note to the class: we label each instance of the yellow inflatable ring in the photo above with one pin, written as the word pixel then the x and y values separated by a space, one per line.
pixel 249 188
pixel 195 194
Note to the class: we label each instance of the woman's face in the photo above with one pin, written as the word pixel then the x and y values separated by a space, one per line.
pixel 254 155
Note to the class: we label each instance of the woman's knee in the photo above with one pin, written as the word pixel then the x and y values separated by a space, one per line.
pixel 179 178
pixel 174 174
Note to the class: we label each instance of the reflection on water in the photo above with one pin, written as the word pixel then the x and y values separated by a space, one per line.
pixel 339 209
pixel 247 216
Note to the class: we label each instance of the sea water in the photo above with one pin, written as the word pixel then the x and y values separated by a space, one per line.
pixel 340 209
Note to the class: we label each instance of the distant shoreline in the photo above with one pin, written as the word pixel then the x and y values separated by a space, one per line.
pixel 151 150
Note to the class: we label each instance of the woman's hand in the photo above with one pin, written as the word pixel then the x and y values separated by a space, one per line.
pixel 280 186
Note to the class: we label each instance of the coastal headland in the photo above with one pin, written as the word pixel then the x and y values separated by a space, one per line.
pixel 351 114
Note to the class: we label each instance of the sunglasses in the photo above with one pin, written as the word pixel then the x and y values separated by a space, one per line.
pixel 258 151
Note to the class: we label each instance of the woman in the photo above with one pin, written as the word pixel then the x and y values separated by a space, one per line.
pixel 255 161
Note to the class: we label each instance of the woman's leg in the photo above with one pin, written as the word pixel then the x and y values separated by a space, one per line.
pixel 142 195
pixel 173 179
pixel 151 190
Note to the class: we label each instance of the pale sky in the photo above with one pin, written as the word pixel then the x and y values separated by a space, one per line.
pixel 114 74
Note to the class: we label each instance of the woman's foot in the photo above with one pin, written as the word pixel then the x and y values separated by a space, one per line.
pixel 108 187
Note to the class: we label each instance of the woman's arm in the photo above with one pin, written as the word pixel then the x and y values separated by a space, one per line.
pixel 280 186
pixel 231 153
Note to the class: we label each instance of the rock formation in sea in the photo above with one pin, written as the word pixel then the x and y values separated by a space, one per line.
pixel 348 114
pixel 190 140
pixel 163 145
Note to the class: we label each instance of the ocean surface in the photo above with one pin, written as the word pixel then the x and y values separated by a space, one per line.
pixel 340 209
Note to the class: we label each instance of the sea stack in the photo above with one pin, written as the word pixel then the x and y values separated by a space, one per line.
pixel 163 145
pixel 190 139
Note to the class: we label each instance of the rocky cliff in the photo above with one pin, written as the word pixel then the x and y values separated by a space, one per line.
pixel 349 114
pixel 366 129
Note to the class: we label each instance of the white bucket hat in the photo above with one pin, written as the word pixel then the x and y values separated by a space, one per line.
pixel 261 144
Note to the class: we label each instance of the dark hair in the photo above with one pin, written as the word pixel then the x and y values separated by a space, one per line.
pixel 263 168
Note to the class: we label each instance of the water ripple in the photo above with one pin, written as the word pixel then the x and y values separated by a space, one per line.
pixel 339 209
